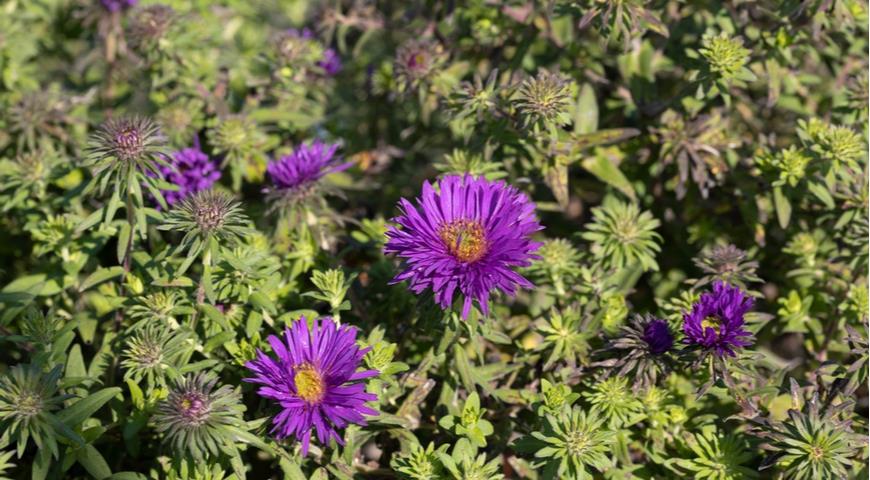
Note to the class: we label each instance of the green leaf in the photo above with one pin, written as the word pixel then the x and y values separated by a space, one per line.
pixel 822 193
pixel 41 464
pixel 607 172
pixel 262 301
pixel 136 395
pixel 123 241
pixel 91 220
pixel 75 363
pixel 219 339
pixel 215 315
pixel 586 115
pixel 783 207
pixel 93 462
pixel 100 276
pixel 601 137
pixel 127 476
pixel 556 177
pixel 84 408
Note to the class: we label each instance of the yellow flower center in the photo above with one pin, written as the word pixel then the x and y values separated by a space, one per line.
pixel 464 239
pixel 711 322
pixel 309 383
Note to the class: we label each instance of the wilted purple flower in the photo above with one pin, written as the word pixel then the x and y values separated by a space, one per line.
pixel 467 237
pixel 118 5
pixel 658 336
pixel 314 380
pixel 192 171
pixel 331 63
pixel 306 165
pixel 716 320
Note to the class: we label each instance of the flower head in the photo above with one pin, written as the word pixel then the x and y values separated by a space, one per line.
pixel 314 380
pixel 467 237
pixel 192 171
pixel 417 60
pixel 640 351
pixel 657 336
pixel 330 63
pixel 543 99
pixel 28 401
pixel 725 56
pixel 197 418
pixel 118 5
pixel 296 173
pixel 131 140
pixel 716 320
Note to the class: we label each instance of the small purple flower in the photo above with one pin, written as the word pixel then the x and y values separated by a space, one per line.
pixel 191 171
pixel 331 63
pixel 305 166
pixel 314 380
pixel 467 237
pixel 658 336
pixel 118 5
pixel 716 320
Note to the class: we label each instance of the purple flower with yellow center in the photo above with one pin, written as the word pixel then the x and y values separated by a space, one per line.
pixel 298 172
pixel 658 336
pixel 717 319
pixel 466 237
pixel 315 380
pixel 192 171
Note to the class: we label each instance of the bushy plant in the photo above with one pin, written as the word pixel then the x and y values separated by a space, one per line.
pixel 433 240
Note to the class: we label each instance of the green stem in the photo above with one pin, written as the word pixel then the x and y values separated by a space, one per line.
pixel 128 250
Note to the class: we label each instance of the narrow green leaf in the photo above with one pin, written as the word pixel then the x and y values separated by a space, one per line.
pixel 93 462
pixel 586 115
pixel 100 276
pixel 84 408
pixel 783 207
pixel 608 173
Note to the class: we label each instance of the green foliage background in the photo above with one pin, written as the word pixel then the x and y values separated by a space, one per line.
pixel 649 133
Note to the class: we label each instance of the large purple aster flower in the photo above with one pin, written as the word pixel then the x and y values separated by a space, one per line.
pixel 716 320
pixel 467 237
pixel 305 166
pixel 314 380
pixel 192 171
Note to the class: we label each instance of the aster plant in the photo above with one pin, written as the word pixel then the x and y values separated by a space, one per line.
pixel 200 418
pixel 29 401
pixel 127 153
pixel 314 380
pixel 467 236
pixel 206 219
pixel 572 446
pixel 622 235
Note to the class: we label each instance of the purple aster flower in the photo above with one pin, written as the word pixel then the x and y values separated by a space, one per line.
pixel 314 380
pixel 305 166
pixel 467 237
pixel 716 320
pixel 331 63
pixel 658 336
pixel 118 5
pixel 191 171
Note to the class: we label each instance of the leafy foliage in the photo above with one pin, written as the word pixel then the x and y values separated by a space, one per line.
pixel 184 183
